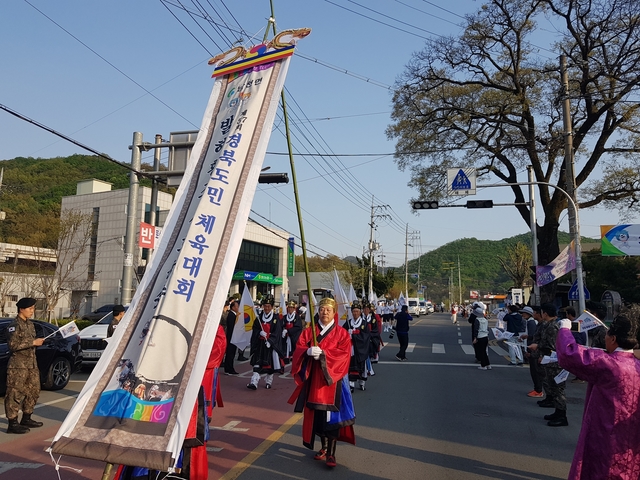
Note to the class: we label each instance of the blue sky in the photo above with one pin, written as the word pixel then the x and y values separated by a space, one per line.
pixel 98 71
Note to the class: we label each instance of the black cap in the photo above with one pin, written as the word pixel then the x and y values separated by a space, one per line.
pixel 26 302
pixel 118 309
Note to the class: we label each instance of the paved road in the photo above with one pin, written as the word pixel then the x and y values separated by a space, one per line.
pixel 434 416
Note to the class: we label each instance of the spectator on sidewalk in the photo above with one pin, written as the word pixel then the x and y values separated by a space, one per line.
pixel 480 337
pixel 529 316
pixel 609 442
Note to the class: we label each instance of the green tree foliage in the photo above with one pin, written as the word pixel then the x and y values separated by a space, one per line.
pixel 489 99
pixel 516 264
pixel 32 191
pixel 621 274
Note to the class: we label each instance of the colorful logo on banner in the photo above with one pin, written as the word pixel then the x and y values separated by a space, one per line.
pixel 620 240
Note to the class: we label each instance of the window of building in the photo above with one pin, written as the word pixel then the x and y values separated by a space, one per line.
pixel 257 257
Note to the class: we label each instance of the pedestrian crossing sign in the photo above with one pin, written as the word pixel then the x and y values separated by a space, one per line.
pixel 461 181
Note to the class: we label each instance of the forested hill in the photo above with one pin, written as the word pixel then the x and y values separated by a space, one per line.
pixel 479 265
pixel 32 190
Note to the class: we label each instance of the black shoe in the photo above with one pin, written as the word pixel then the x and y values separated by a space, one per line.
pixel 251 386
pixel 546 403
pixel 28 422
pixel 267 386
pixel 242 359
pixel 15 427
pixel 551 416
pixel 559 422
pixel 233 372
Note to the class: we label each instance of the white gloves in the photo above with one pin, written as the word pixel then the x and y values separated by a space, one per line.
pixel 267 344
pixel 284 333
pixel 314 352
pixel 351 331
pixel 564 323
pixel 263 334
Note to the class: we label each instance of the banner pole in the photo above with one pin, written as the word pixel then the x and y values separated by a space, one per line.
pixel 106 474
pixel 272 23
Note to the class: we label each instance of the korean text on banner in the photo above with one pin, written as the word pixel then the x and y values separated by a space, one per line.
pixel 166 336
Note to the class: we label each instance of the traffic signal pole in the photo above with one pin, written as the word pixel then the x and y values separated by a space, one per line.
pixel 576 234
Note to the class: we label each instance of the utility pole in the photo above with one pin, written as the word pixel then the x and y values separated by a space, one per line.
pixel 373 246
pixel 406 262
pixel 534 232
pixel 459 283
pixel 130 235
pixel 569 165
pixel 449 266
pixel 574 222
pixel 154 190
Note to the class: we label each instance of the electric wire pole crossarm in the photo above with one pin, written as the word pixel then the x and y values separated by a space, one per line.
pixel 576 233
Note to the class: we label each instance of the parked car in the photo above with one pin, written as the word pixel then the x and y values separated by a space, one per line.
pixel 99 313
pixel 93 341
pixel 422 307
pixel 57 358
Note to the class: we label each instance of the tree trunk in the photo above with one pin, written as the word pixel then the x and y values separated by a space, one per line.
pixel 548 250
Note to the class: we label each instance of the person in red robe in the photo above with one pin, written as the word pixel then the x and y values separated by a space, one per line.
pixel 320 369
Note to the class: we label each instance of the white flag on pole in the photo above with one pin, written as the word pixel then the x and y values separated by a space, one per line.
pixel 241 336
pixel 401 300
pixel 66 330
pixel 341 297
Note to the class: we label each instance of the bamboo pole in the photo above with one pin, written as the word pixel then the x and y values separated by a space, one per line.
pixel 272 23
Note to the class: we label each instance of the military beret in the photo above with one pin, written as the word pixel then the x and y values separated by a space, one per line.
pixel 26 302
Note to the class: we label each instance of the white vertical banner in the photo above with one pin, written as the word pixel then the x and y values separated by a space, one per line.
pixel 166 336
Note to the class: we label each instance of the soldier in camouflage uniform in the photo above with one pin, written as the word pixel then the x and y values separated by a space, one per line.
pixel 23 377
pixel 555 391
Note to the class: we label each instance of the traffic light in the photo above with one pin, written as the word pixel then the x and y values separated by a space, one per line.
pixel 273 178
pixel 534 275
pixel 479 204
pixel 425 205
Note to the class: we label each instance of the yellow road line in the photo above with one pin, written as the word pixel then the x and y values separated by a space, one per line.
pixel 251 457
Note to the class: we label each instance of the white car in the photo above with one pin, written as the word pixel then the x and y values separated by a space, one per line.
pixel 423 307
pixel 92 340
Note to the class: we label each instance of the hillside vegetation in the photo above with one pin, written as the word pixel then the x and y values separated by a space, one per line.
pixel 32 191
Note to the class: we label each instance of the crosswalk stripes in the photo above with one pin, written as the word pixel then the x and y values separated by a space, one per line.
pixel 439 348
pixel 468 349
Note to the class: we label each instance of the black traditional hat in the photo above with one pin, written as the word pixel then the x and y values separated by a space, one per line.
pixel 291 303
pixel 268 299
pixel 357 305
pixel 26 302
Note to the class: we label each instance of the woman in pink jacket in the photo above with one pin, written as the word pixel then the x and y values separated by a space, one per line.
pixel 609 442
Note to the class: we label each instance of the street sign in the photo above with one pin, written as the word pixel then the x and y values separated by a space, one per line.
pixel 573 292
pixel 461 181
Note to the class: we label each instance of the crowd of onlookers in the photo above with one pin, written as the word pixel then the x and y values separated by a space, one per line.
pixel 551 343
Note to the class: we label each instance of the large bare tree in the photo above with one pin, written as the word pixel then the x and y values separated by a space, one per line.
pixel 491 99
